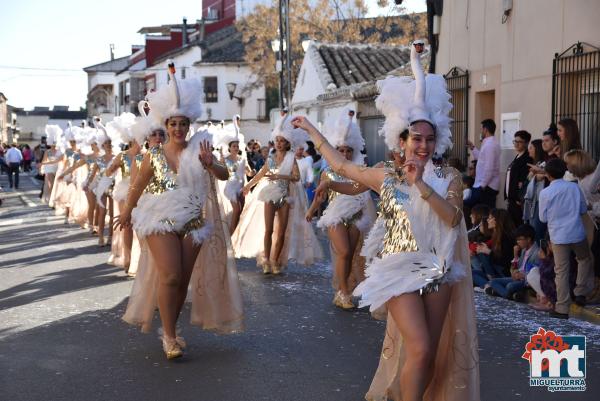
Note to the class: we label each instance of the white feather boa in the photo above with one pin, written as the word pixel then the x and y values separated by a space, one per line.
pixel 170 211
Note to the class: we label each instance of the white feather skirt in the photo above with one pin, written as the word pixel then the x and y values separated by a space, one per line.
pixel 397 274
pixel 232 190
pixel 344 207
pixel 169 212
pixel 102 188
pixel 373 243
pixel 272 192
pixel 121 189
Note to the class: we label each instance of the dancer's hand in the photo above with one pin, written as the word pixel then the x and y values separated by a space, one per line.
pixel 206 156
pixel 309 216
pixel 322 190
pixel 273 177
pixel 304 123
pixel 122 221
pixel 413 170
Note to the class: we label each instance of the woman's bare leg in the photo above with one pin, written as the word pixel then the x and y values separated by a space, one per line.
pixel 91 200
pixel 235 216
pixel 354 278
pixel 436 308
pixel 101 220
pixel 420 320
pixel 283 214
pixel 166 252
pixel 408 312
pixel 269 222
pixel 111 213
pixel 127 240
pixel 340 244
pixel 189 254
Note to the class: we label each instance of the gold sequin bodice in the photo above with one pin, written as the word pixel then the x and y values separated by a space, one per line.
pixel 163 178
pixel 72 157
pixel 274 169
pixel 232 168
pixel 125 165
pixel 334 177
pixel 398 234
pixel 102 164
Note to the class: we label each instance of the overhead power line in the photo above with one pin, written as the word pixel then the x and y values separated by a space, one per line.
pixel 13 67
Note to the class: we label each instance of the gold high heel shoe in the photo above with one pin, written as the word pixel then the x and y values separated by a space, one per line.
pixel 172 348
pixel 344 301
pixel 275 268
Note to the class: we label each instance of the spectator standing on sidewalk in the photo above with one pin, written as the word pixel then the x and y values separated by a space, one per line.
pixel 13 159
pixel 487 171
pixel 534 187
pixel 516 177
pixel 27 156
pixel 562 205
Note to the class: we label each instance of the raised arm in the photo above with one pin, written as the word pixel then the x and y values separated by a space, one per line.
pixel 372 178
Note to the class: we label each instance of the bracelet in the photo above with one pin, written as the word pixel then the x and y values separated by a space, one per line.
pixel 427 194
pixel 318 146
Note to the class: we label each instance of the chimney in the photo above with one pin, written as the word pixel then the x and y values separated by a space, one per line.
pixel 200 24
pixel 112 53
pixel 184 37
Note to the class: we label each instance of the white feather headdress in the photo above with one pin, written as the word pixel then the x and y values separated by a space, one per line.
pixel 53 134
pixel 145 124
pixel 177 98
pixel 404 101
pixel 343 131
pixel 120 128
pixel 69 134
pixel 295 136
pixel 101 134
pixel 230 133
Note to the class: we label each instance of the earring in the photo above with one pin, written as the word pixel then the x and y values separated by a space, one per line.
pixel 401 152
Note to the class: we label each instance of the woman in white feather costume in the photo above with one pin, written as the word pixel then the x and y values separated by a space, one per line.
pixel 50 162
pixel 420 277
pixel 104 184
pixel 347 217
pixel 276 209
pixel 174 208
pixel 82 169
pixel 227 142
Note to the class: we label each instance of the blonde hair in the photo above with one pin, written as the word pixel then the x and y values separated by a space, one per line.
pixel 580 162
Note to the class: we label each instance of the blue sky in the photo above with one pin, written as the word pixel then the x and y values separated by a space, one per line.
pixel 63 36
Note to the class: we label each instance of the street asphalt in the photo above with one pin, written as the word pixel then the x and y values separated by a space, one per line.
pixel 62 337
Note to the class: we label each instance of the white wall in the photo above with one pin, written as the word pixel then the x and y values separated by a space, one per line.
pixel 101 78
pixel 226 108
pixel 308 85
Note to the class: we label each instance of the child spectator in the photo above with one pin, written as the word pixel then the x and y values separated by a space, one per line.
pixel 562 205
pixel 546 294
pixel 525 260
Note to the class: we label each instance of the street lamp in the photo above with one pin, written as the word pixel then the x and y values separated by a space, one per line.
pixel 231 87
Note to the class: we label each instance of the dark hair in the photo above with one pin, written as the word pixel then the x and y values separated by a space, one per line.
pixel 555 168
pixel 551 131
pixel 489 125
pixel 572 138
pixel 526 231
pixel 524 135
pixel 539 151
pixel 456 163
pixel 481 212
pixel 504 227
pixel 468 180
